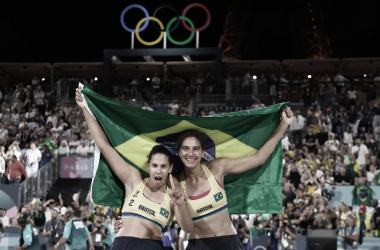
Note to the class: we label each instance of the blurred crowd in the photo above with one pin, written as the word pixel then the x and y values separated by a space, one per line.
pixel 36 131
pixel 333 140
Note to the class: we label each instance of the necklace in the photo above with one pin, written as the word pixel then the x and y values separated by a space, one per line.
pixel 151 192
pixel 24 137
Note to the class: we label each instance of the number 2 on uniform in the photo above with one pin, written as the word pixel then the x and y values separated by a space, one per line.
pixel 130 203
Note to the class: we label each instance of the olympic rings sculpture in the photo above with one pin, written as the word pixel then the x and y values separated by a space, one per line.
pixel 143 23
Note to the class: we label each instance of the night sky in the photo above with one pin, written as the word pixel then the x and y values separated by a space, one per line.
pixel 67 31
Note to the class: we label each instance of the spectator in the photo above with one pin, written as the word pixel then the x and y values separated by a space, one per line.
pixel 73 144
pixel 294 175
pixel 18 106
pixel 108 224
pixel 342 179
pixel 156 85
pixel 353 118
pixel 98 232
pixel 287 234
pixel 28 95
pixel 23 124
pixel 29 236
pixel 350 234
pixel 258 229
pixel 15 118
pixel 243 234
pixel 14 149
pixel 53 118
pixel 174 107
pixel 363 220
pixel 39 96
pixel 3 134
pixel 342 213
pixel 30 114
pixel 352 95
pixel 340 121
pixel 24 137
pixel 32 159
pixel 147 107
pixel 326 120
pixel 15 170
pixel 310 140
pixel 83 137
pixel 6 118
pixel 4 220
pixel 371 176
pixel 288 194
pixel 46 156
pixel 360 179
pixel 209 81
pixel 347 136
pixel 362 152
pixel 373 161
pixel 296 126
pixel 53 229
pixel 37 215
pixel 82 149
pixel 63 149
pixel 76 233
pixel 185 109
pixel 272 235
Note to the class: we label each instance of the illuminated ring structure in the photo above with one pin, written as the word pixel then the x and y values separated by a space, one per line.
pixel 162 29
pixel 138 35
pixel 131 7
pixel 183 18
pixel 169 7
pixel 196 5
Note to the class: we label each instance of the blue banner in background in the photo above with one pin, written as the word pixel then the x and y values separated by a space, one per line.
pixel 9 199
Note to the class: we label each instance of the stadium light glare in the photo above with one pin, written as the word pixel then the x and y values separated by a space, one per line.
pixel 309 76
pixel 43 79
pixel 254 77
pixel 187 58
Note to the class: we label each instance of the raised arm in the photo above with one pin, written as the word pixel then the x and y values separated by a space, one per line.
pixel 125 172
pixel 180 209
pixel 240 165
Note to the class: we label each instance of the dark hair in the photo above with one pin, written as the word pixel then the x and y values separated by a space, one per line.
pixel 191 133
pixel 84 204
pixel 68 214
pixel 78 213
pixel 160 149
pixel 22 223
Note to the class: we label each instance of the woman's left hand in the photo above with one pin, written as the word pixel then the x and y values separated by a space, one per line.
pixel 176 194
pixel 287 115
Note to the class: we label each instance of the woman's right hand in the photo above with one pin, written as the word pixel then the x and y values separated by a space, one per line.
pixel 78 98
pixel 118 224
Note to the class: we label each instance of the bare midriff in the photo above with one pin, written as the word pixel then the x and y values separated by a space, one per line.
pixel 139 228
pixel 214 226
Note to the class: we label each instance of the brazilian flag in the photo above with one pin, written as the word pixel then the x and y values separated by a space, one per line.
pixel 362 194
pixel 377 178
pixel 50 144
pixel 352 172
pixel 133 132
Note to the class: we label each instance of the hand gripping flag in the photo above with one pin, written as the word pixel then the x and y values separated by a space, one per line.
pixel 133 132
